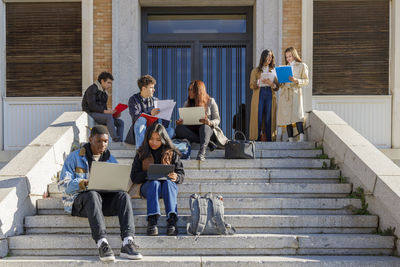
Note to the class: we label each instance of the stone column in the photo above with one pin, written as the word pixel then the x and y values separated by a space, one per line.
pixel 87 44
pixel 307 48
pixel 126 52
pixel 267 30
pixel 2 66
pixel 394 76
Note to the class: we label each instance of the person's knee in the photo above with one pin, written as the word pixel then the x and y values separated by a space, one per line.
pixel 139 123
pixel 93 196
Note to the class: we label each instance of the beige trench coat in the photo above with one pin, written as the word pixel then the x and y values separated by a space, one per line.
pixel 213 116
pixel 253 134
pixel 290 106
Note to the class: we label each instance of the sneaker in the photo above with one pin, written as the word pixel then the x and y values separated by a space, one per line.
pixel 105 252
pixel 152 229
pixel 291 140
pixel 129 251
pixel 172 229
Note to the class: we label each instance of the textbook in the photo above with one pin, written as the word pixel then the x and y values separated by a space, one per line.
pixel 150 119
pixel 283 74
pixel 119 108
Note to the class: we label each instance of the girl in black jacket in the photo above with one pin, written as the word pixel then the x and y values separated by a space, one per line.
pixel 157 148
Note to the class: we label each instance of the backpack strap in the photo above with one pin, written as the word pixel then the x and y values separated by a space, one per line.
pixel 218 216
pixel 202 202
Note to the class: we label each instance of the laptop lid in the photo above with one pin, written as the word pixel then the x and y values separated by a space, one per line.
pixel 192 115
pixel 109 176
pixel 159 171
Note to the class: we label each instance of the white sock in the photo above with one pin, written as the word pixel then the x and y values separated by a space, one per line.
pixel 101 240
pixel 126 239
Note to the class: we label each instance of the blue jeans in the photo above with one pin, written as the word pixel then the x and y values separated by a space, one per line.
pixel 265 104
pixel 140 129
pixel 154 190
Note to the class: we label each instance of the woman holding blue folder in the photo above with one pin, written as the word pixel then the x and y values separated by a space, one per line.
pixel 290 107
pixel 263 83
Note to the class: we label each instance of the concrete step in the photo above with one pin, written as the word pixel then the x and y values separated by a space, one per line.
pixel 255 189
pixel 183 245
pixel 219 153
pixel 259 145
pixel 263 175
pixel 236 206
pixel 250 163
pixel 244 224
pixel 211 261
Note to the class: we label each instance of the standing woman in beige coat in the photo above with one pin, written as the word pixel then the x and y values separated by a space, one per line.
pixel 263 100
pixel 290 107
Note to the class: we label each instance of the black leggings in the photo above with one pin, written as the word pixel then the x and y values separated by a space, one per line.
pixel 289 128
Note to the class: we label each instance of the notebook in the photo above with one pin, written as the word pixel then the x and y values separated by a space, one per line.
pixel 107 176
pixel 159 171
pixel 192 115
pixel 119 108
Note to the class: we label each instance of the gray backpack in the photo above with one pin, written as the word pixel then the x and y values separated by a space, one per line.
pixel 207 216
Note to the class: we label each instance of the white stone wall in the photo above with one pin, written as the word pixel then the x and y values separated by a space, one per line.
pixel 26 176
pixel 362 163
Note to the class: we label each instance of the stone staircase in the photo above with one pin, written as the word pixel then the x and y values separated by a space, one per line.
pixel 288 206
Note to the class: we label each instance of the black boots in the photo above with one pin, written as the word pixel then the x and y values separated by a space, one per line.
pixel 152 229
pixel 172 229
pixel 202 153
pixel 212 146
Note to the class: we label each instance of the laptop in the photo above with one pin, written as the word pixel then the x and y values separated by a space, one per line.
pixel 107 176
pixel 159 172
pixel 192 115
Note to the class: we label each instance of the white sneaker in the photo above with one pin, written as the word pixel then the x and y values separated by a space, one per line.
pixel 302 138
pixel 291 139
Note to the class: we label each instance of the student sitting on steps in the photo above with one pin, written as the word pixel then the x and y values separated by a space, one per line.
pixel 157 148
pixel 95 205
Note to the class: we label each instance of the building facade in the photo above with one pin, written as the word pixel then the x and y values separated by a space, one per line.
pixel 51 51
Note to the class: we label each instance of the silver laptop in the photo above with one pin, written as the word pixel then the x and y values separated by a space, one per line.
pixel 192 115
pixel 107 176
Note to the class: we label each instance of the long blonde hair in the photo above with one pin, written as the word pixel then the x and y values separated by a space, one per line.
pixel 294 54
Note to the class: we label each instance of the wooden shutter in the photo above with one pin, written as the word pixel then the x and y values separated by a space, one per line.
pixel 43 49
pixel 351 47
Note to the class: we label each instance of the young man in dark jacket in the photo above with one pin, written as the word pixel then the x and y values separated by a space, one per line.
pixel 94 102
pixel 92 204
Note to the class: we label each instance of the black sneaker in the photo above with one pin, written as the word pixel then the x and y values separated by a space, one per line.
pixel 212 146
pixel 172 229
pixel 105 252
pixel 129 251
pixel 152 229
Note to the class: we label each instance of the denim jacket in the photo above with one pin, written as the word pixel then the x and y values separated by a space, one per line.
pixel 75 169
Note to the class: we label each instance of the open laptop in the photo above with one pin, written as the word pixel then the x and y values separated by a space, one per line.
pixel 159 171
pixel 192 115
pixel 107 176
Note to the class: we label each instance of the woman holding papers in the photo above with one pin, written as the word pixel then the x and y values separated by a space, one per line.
pixel 207 133
pixel 264 83
pixel 157 148
pixel 290 108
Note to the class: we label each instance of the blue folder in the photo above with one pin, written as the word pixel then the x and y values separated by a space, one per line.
pixel 283 74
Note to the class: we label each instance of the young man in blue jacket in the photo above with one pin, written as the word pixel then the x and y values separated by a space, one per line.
pixel 95 205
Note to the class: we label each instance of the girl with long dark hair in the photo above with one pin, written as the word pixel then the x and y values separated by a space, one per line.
pixel 263 83
pixel 157 148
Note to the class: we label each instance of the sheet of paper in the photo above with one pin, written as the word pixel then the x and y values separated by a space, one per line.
pixel 166 107
pixel 192 115
pixel 269 75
